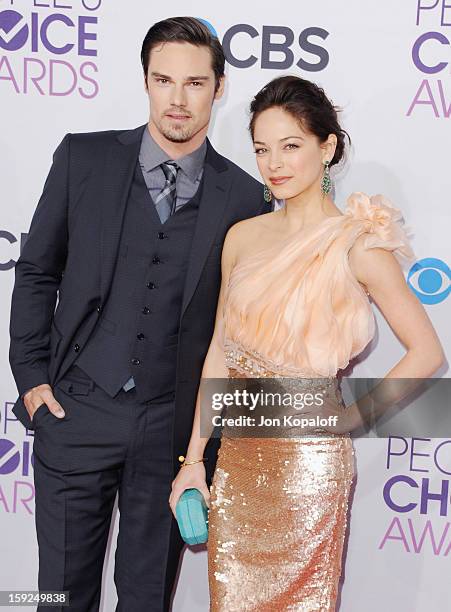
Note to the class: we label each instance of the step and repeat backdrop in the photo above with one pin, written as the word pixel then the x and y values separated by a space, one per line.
pixel 73 65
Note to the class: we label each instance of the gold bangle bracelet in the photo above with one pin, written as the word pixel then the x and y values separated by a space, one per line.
pixel 183 462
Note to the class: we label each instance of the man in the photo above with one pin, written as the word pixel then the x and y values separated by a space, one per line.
pixel 128 235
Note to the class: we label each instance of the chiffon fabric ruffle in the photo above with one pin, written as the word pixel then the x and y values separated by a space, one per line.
pixel 298 310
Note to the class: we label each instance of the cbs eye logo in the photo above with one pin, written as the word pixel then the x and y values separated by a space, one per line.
pixel 430 280
pixel 209 26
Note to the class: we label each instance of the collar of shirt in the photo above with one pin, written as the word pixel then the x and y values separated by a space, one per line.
pixel 152 155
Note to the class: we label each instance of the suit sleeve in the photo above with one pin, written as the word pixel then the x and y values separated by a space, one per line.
pixel 38 274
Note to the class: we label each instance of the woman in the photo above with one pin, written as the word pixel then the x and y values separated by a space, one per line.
pixel 294 303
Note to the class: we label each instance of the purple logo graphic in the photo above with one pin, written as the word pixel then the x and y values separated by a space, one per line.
pixel 72 36
pixel 430 52
pixel 9 460
pixel 13 31
pixel 406 493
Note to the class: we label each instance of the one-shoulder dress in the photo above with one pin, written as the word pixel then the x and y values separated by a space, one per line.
pixel 279 505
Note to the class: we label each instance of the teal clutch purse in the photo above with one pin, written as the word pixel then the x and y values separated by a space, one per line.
pixel 192 517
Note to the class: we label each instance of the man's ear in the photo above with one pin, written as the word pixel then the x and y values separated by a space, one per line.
pixel 220 91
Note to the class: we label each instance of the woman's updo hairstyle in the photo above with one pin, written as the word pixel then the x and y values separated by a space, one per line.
pixel 307 103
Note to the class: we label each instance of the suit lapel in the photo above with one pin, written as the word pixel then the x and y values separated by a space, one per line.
pixel 216 186
pixel 120 164
pixel 267 207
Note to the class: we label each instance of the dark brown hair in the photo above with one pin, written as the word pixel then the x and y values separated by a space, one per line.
pixel 184 29
pixel 307 103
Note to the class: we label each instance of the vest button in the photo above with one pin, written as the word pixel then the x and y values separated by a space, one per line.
pixel 135 361
pixel 146 310
pixel 140 336
pixel 161 235
pixel 76 348
pixel 156 260
pixel 151 285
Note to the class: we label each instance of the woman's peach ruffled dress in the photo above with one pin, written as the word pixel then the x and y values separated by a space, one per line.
pixel 279 506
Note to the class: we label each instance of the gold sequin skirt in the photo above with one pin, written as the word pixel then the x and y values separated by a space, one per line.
pixel 277 523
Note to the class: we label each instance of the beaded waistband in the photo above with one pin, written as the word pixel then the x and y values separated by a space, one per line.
pixel 251 364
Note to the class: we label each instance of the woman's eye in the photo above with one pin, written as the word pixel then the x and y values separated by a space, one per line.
pixel 291 145
pixel 259 151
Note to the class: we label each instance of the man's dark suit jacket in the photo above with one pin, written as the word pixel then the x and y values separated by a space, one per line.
pixel 69 256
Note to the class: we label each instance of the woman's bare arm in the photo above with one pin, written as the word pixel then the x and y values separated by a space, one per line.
pixel 402 310
pixel 408 320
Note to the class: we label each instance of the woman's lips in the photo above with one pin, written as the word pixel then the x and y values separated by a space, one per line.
pixel 280 180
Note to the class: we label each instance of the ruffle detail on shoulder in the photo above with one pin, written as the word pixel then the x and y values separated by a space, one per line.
pixel 384 224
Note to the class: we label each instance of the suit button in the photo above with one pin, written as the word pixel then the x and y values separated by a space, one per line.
pixel 156 260
pixel 140 336
pixel 146 310
pixel 135 361
pixel 99 308
pixel 70 389
pixel 151 285
pixel 76 348
pixel 161 235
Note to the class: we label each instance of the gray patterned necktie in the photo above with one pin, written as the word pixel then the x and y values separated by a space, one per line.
pixel 166 199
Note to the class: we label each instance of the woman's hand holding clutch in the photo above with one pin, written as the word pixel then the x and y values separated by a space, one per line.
pixel 189 477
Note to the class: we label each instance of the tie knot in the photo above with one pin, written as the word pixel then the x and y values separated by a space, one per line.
pixel 170 170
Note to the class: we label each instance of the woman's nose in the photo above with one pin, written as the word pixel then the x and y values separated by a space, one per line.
pixel 275 164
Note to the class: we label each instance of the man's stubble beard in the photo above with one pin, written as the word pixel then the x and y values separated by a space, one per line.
pixel 181 134
pixel 177 135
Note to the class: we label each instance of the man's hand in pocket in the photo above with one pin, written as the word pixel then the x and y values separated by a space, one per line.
pixel 42 394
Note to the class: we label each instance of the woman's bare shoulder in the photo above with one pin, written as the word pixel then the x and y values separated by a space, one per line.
pixel 246 230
